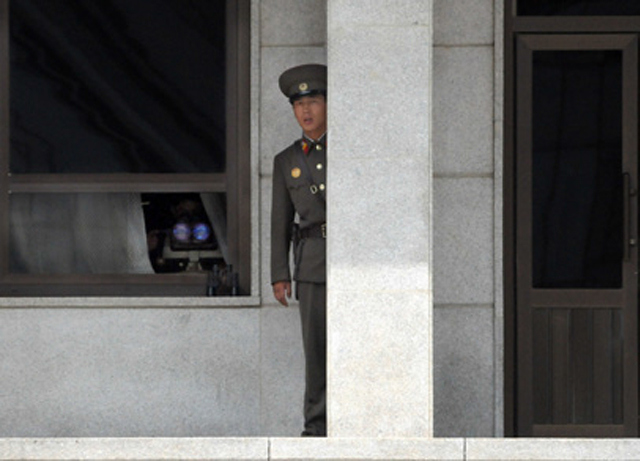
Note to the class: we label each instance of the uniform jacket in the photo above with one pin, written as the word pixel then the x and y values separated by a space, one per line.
pixel 291 195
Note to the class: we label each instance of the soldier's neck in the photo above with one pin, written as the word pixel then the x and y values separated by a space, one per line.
pixel 312 136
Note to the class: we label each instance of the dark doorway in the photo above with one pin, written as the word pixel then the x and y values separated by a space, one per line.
pixel 571 259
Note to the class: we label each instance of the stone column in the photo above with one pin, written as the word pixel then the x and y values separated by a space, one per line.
pixel 379 219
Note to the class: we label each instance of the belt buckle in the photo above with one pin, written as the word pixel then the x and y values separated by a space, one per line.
pixel 323 229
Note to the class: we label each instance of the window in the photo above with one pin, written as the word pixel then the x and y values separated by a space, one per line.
pixel 124 155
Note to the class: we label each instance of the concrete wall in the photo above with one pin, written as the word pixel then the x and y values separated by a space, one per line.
pixel 467 193
pixel 122 367
pixel 160 367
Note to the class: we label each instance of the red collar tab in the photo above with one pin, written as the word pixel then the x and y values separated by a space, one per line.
pixel 308 145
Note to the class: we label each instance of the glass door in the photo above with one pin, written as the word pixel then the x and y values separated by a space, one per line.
pixel 576 226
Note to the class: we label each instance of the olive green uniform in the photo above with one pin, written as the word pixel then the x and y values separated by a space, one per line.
pixel 293 193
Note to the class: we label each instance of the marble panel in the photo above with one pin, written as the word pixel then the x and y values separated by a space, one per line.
pixel 463 110
pixel 463 241
pixel 391 277
pixel 282 365
pixel 293 23
pixel 403 13
pixel 463 371
pixel 379 211
pixel 386 107
pixel 463 22
pixel 122 372
pixel 379 351
pixel 498 60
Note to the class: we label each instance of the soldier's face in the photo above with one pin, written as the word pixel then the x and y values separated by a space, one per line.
pixel 311 114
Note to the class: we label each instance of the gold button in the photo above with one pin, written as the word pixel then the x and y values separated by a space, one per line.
pixel 319 166
pixel 319 146
pixel 321 186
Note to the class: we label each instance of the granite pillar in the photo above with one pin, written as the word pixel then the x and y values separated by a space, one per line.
pixel 379 219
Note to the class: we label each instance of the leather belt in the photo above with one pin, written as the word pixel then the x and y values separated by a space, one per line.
pixel 314 231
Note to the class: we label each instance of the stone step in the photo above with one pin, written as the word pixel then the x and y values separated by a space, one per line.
pixel 315 449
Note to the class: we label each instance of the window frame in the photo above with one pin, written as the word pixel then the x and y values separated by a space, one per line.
pixel 234 182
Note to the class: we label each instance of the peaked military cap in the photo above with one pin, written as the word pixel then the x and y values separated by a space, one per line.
pixel 305 80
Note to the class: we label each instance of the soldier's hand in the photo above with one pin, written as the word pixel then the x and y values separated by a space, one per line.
pixel 282 291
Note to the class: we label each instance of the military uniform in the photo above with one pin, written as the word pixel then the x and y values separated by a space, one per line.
pixel 299 186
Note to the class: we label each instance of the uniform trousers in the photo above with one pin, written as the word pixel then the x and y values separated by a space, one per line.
pixel 313 315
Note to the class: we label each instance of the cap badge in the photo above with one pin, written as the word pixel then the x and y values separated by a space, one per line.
pixel 295 173
pixel 303 87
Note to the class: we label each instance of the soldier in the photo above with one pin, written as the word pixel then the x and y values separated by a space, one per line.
pixel 299 183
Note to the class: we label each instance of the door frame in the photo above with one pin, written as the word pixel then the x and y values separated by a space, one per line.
pixel 513 27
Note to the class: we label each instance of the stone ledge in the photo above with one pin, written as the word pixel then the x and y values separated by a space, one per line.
pixel 553 449
pixel 132 302
pixel 360 449
pixel 139 449
pixel 312 449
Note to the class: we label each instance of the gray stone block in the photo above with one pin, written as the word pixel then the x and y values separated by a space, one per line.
pixel 292 22
pixel 463 22
pixel 373 449
pixel 412 277
pixel 379 212
pixel 386 113
pixel 498 212
pixel 463 241
pixel 379 350
pixel 351 13
pixel 255 229
pixel 122 372
pixel 463 371
pixel 498 60
pixel 282 365
pixel 265 241
pixel 498 283
pixel 499 376
pixel 278 127
pixel 463 110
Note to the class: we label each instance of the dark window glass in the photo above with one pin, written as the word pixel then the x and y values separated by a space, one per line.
pixel 578 7
pixel 102 96
pixel 185 232
pixel 117 86
pixel 577 169
pixel 117 233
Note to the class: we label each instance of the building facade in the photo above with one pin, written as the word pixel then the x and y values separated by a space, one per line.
pixel 421 275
